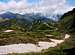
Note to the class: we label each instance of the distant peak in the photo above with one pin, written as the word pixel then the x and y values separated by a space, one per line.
pixel 74 9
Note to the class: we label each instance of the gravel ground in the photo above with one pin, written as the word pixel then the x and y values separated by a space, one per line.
pixel 22 48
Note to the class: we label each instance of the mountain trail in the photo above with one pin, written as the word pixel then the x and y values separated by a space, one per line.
pixel 22 48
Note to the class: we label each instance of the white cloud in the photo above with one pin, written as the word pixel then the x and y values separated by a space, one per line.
pixel 43 6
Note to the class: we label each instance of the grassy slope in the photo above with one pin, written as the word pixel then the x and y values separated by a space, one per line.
pixel 26 34
pixel 25 37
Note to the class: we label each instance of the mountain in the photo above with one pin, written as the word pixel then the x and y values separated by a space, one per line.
pixel 25 21
pixel 30 16
pixel 8 15
pixel 68 20
pixel 27 18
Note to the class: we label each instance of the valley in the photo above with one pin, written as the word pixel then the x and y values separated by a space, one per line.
pixel 34 34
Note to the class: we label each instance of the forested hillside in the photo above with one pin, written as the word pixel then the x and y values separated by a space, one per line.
pixel 68 21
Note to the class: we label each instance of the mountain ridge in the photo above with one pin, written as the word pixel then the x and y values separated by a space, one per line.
pixel 11 15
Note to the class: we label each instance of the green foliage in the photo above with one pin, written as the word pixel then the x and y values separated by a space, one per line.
pixel 68 21
pixel 39 25
pixel 27 33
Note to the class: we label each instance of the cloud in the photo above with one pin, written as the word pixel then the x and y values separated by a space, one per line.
pixel 42 6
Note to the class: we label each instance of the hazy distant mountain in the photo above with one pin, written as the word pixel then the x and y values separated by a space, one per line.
pixel 7 15
pixel 29 16
pixel 30 21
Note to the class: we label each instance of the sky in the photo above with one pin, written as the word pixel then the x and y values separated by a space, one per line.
pixel 37 6
pixel 71 2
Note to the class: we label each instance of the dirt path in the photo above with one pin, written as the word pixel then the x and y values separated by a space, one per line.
pixel 21 48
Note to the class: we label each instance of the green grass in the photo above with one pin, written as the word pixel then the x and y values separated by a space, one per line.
pixel 25 37
pixel 21 37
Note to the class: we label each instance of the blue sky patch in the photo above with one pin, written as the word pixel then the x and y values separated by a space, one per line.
pixel 71 2
pixel 4 1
